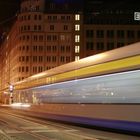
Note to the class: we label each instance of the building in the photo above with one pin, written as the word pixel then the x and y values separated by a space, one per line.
pixel 44 36
pixel 109 25
pixel 49 33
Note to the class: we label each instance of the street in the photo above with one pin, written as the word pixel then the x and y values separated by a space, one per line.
pixel 18 127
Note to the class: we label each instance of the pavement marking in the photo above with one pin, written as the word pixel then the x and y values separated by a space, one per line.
pixel 71 130
pixel 3 136
pixel 45 131
pixel 34 127
pixel 13 131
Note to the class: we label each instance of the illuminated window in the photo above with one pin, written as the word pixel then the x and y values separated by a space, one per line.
pixel 77 58
pixel 77 27
pixel 77 17
pixel 77 49
pixel 62 37
pixel 77 38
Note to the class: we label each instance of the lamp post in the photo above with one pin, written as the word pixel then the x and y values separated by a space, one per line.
pixel 11 88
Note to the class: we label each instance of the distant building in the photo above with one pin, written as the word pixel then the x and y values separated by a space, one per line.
pixel 49 33
pixel 109 25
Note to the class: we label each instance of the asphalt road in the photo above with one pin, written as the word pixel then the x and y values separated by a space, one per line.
pixel 20 127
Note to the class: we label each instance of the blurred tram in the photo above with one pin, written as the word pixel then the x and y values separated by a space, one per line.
pixel 102 90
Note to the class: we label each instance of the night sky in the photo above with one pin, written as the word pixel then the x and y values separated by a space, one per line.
pixel 8 8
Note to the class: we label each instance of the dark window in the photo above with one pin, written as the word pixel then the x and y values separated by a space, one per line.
pixel 67 59
pixel 22 69
pixel 100 46
pixel 35 27
pixel 67 48
pixel 49 37
pixel 130 34
pixel 34 69
pixel 51 27
pixel 28 27
pixel 54 58
pixel 62 59
pixel 54 37
pixel 100 34
pixel 41 38
pixel 27 48
pixel 27 58
pixel 35 17
pixel 19 59
pixel 110 33
pixel 24 17
pixel 25 28
pixel 65 27
pixel 39 17
pixel 23 37
pixel 52 5
pixel 23 48
pixel 62 48
pixel 48 59
pixel 21 28
pixel 34 58
pixel 48 48
pixel 40 69
pixel 138 34
pixel 27 37
pixel 27 69
pixel 89 46
pixel 39 27
pixel 35 48
pixel 40 48
pixel 110 46
pixel 35 38
pixel 23 58
pixel 120 44
pixel 54 48
pixel 37 8
pixel 29 17
pixel 54 17
pixel 49 17
pixel 120 33
pixel 40 58
pixel 62 17
pixel 89 33
pixel 68 17
pixel 19 69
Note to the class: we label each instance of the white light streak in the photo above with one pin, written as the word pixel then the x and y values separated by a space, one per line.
pixel 91 78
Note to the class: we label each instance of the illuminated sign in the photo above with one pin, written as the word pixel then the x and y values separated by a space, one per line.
pixel 136 15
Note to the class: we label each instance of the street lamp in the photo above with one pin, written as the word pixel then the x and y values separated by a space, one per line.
pixel 11 88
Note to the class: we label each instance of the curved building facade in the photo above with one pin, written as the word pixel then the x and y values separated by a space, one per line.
pixel 41 39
